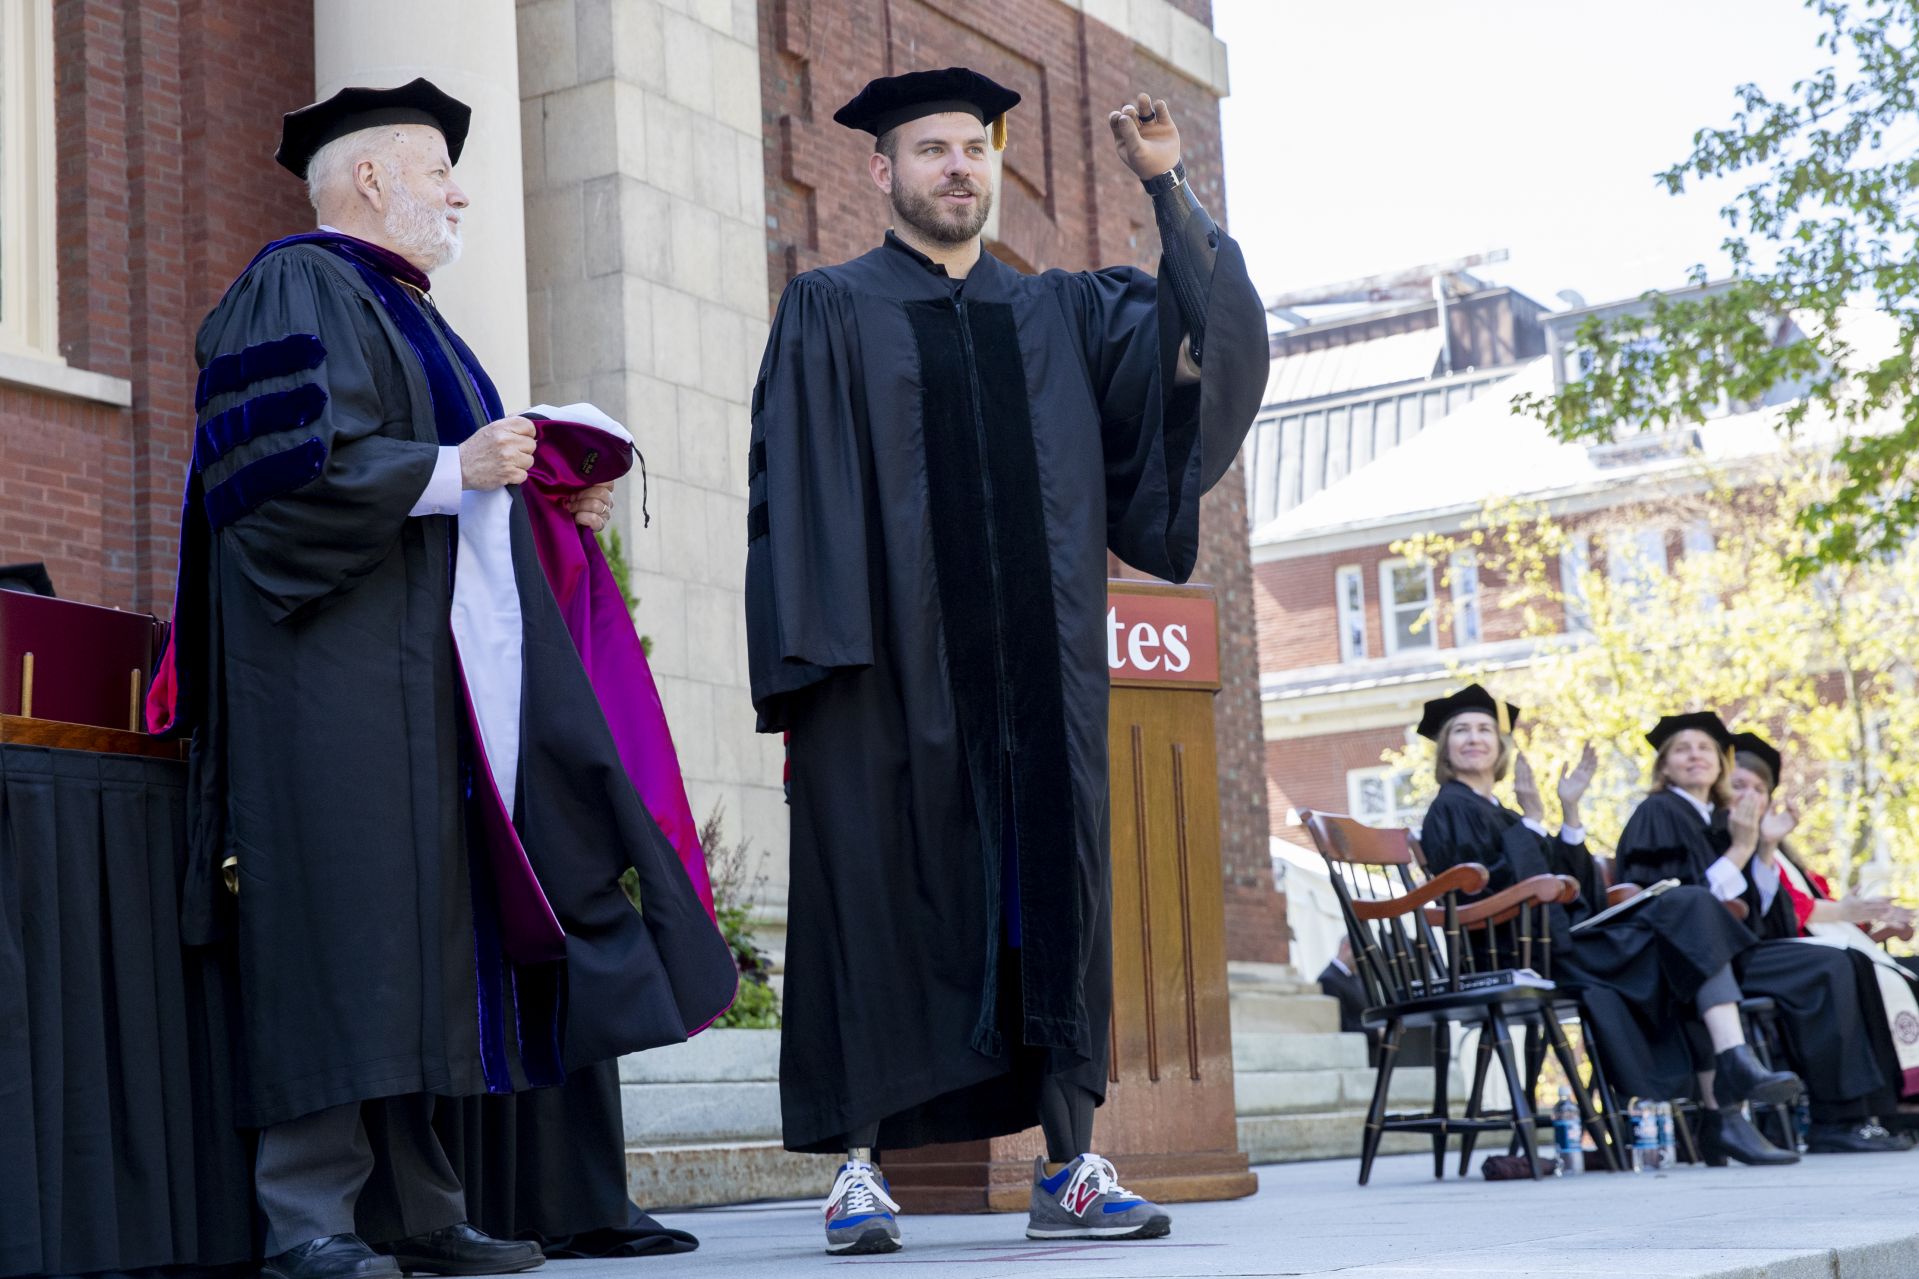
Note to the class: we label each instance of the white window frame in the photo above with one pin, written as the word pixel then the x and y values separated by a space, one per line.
pixel 1468 618
pixel 29 297
pixel 1389 611
pixel 1575 561
pixel 1349 604
pixel 1394 815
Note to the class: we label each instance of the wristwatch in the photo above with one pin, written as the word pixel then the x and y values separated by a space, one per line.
pixel 1171 180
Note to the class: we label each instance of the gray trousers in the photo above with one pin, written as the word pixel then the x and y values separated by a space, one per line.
pixel 310 1170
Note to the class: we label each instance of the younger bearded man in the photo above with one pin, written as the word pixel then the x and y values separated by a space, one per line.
pixel 944 449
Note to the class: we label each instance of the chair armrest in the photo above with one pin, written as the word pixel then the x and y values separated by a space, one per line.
pixel 1543 890
pixel 1622 893
pixel 1571 892
pixel 1737 909
pixel 1467 877
pixel 1883 931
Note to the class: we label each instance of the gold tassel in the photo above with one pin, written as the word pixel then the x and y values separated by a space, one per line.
pixel 997 132
pixel 1503 716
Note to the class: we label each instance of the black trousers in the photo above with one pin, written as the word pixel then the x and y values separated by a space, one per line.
pixel 310 1170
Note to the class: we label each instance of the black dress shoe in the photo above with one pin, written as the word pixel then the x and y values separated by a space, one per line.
pixel 1738 1076
pixel 331 1257
pixel 462 1250
pixel 1728 1134
pixel 1866 1138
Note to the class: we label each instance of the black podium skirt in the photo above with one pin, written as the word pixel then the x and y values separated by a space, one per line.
pixel 117 1145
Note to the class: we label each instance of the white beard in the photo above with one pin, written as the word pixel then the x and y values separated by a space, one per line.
pixel 420 232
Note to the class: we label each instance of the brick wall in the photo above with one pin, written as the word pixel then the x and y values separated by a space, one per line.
pixel 1066 201
pixel 166 116
pixel 1310 772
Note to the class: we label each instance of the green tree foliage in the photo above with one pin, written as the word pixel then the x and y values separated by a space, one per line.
pixel 1828 219
pixel 1822 666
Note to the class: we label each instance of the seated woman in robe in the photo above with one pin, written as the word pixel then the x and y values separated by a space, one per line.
pixel 1643 975
pixel 1689 828
pixel 1812 912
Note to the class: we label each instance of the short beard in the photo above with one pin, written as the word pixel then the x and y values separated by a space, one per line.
pixel 420 233
pixel 926 215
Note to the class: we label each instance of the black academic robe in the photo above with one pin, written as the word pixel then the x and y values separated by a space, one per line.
pixel 939 469
pixel 1636 976
pixel 1822 998
pixel 330 753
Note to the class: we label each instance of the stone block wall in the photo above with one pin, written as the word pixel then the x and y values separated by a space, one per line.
pixel 646 270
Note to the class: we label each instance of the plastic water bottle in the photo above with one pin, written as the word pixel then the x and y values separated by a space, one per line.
pixel 1645 1137
pixel 1668 1150
pixel 1569 1135
pixel 1802 1122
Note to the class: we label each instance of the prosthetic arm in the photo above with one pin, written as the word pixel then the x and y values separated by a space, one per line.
pixel 1189 241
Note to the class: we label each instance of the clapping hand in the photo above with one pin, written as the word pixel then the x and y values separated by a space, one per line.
pixel 1774 827
pixel 1574 780
pixel 1747 813
pixel 1526 791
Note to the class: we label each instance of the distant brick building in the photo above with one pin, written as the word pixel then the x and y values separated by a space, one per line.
pixel 658 170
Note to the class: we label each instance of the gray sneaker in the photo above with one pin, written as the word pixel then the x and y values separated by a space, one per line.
pixel 1084 1200
pixel 859 1212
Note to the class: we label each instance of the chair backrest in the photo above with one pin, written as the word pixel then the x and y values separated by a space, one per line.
pixel 1381 887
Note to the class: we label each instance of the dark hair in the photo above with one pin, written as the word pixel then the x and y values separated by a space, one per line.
pixel 1758 768
pixel 888 144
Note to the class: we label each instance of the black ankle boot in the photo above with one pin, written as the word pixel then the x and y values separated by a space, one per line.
pixel 1728 1134
pixel 1738 1076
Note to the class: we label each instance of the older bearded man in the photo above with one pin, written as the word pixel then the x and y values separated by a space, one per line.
pixel 423 839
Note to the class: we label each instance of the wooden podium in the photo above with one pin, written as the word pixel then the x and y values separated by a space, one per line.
pixel 1168 1122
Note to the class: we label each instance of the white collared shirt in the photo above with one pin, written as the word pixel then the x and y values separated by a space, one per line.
pixel 1727 880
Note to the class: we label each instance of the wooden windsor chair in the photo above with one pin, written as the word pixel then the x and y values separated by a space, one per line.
pixel 1512 930
pixel 1416 968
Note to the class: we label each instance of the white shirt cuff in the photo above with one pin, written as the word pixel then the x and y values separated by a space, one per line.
pixel 1573 834
pixel 1765 877
pixel 1726 880
pixel 1533 824
pixel 442 495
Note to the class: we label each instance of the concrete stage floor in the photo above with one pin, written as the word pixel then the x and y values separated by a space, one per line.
pixel 1830 1217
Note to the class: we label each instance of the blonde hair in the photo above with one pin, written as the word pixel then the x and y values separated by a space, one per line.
pixel 1443 770
pixel 1721 785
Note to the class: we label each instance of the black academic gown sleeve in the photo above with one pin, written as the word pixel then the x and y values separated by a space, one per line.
pixel 1664 839
pixel 1167 442
pixel 1462 827
pixel 297 545
pixel 809 607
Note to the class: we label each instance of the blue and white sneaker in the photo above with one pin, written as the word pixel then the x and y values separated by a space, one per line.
pixel 1084 1200
pixel 859 1212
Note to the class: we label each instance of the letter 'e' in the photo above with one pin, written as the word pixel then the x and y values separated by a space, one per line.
pixel 1140 643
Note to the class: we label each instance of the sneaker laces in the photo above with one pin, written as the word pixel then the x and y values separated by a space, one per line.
pixel 860 1185
pixel 1104 1178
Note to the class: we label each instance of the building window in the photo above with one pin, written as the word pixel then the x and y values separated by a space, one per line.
pixel 1575 561
pixel 1465 575
pixel 1636 561
pixel 1383 796
pixel 1350 590
pixel 1405 600
pixel 28 319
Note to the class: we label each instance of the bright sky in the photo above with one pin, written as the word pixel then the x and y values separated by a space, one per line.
pixel 1367 135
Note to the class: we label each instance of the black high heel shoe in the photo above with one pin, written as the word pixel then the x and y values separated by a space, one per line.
pixel 1738 1076
pixel 1728 1134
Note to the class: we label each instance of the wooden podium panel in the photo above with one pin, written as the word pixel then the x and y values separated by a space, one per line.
pixel 1168 1123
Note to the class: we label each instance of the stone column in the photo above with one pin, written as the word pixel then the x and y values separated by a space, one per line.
pixel 468 48
pixel 645 214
